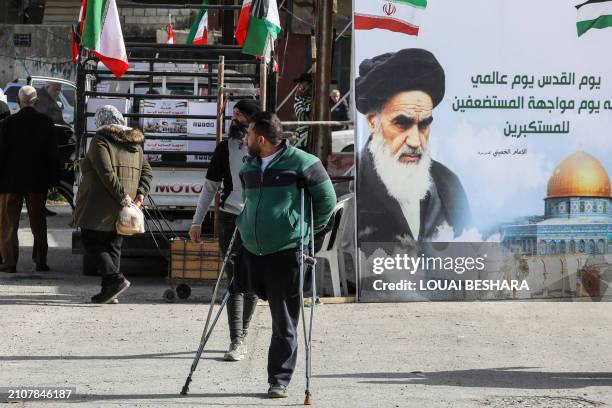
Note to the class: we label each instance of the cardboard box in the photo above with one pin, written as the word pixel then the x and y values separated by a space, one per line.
pixel 191 260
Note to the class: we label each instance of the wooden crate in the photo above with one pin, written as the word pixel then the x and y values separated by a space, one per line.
pixel 191 260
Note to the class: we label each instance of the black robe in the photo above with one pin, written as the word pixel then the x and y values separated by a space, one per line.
pixel 380 218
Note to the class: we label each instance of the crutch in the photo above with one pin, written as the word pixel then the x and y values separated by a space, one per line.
pixel 311 261
pixel 206 333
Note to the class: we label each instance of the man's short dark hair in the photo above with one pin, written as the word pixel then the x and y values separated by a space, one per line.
pixel 268 125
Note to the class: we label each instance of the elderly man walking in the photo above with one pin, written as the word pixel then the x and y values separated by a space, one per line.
pixel 29 165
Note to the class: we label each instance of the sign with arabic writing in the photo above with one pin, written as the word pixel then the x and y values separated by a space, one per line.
pixel 484 151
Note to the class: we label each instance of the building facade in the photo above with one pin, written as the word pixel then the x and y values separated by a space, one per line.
pixel 577 213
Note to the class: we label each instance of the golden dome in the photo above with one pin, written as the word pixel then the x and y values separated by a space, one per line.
pixel 579 175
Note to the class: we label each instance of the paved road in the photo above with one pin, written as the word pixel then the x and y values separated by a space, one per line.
pixel 138 353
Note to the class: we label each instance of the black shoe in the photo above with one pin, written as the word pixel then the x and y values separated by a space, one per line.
pixel 111 291
pixel 8 268
pixel 42 268
pixel 277 391
pixel 49 213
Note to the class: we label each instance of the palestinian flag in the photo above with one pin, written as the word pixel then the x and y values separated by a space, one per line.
pixel 243 22
pixel 199 30
pixel 594 14
pixel 102 35
pixel 399 16
pixel 264 27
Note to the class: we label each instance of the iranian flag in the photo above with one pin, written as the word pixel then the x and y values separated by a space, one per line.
pixel 243 22
pixel 102 35
pixel 199 30
pixel 594 14
pixel 264 27
pixel 400 16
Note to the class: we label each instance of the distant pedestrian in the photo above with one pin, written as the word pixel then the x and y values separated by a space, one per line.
pixel 302 105
pixel 29 166
pixel 113 171
pixel 341 113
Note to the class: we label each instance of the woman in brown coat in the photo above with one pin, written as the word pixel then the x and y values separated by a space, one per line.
pixel 113 171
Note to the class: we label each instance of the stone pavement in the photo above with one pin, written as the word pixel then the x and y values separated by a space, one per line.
pixel 138 353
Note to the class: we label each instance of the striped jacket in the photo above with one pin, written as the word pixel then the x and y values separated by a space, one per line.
pixel 269 222
pixel 301 106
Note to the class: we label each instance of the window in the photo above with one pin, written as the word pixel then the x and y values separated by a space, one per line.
pixel 22 40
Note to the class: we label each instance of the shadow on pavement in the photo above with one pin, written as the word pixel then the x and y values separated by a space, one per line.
pixel 507 377
pixel 180 355
pixel 177 397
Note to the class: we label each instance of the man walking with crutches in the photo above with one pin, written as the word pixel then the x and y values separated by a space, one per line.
pixel 269 226
pixel 224 168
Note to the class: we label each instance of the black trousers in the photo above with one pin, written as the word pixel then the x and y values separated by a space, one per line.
pixel 240 306
pixel 104 247
pixel 275 277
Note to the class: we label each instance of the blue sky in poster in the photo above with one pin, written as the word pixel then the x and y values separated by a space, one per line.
pixel 522 37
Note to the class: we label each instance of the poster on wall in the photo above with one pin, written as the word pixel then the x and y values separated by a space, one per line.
pixel 172 128
pixel 164 126
pixel 206 129
pixel 483 150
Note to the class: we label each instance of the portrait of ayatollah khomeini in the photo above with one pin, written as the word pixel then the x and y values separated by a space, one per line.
pixel 403 195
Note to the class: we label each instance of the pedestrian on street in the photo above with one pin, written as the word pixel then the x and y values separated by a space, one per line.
pixel 113 171
pixel 270 230
pixel 340 114
pixel 29 166
pixel 224 170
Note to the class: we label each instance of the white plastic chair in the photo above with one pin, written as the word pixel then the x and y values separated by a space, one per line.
pixel 331 250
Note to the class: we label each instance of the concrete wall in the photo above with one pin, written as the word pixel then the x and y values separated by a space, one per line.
pixel 48 55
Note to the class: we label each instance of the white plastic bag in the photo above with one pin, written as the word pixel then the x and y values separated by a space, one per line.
pixel 130 221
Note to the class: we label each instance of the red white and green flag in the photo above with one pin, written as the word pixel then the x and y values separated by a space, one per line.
pixel 77 32
pixel 263 28
pixel 400 16
pixel 103 36
pixel 243 22
pixel 594 14
pixel 170 39
pixel 198 34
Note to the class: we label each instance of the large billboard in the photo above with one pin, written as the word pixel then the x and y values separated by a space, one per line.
pixel 483 139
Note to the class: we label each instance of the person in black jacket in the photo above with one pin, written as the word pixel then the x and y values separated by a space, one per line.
pixel 341 113
pixel 29 165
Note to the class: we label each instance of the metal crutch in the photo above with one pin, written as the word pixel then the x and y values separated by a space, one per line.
pixel 206 333
pixel 311 261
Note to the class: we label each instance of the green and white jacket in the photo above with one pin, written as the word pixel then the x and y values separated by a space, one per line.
pixel 269 222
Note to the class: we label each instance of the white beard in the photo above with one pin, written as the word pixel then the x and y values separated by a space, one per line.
pixel 406 182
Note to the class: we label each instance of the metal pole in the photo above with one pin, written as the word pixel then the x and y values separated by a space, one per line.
pixel 220 123
pixel 320 144
pixel 80 119
pixel 263 88
pixel 228 24
pixel 220 97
